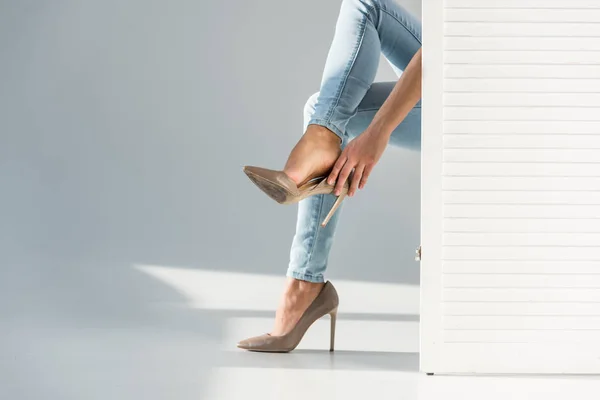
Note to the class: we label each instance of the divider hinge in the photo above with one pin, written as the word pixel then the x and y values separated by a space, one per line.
pixel 418 254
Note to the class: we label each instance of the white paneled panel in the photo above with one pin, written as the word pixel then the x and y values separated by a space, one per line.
pixel 501 323
pixel 525 169
pixel 508 15
pixel 523 155
pixel 523 99
pixel 520 253
pixel 523 127
pixel 519 280
pixel 520 309
pixel 522 141
pixel 522 267
pixel 518 197
pixel 582 184
pixel 520 295
pixel 522 210
pixel 555 337
pixel 521 85
pixel 522 239
pixel 490 57
pixel 493 224
pixel 575 114
pixel 523 71
pixel 506 4
pixel 583 44
pixel 511 158
pixel 486 29
pixel 431 327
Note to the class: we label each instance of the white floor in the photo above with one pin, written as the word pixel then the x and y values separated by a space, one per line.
pixel 186 350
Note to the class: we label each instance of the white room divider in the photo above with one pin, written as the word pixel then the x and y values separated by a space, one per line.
pixel 510 257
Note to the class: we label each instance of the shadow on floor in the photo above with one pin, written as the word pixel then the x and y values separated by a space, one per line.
pixel 341 316
pixel 318 359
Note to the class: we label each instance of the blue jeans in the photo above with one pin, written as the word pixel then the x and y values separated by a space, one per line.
pixel 347 102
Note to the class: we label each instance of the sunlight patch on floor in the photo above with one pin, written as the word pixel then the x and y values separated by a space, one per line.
pixel 215 290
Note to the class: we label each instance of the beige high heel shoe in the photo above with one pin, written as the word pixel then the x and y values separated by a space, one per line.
pixel 326 303
pixel 281 188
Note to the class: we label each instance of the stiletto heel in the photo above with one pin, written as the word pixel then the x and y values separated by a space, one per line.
pixel 326 303
pixel 335 206
pixel 333 316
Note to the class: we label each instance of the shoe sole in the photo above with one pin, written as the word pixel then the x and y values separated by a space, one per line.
pixel 271 189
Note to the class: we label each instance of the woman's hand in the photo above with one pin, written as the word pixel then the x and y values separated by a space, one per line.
pixel 364 152
pixel 360 155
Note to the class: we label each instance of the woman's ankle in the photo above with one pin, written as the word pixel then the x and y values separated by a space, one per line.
pixel 314 154
pixel 321 133
pixel 303 286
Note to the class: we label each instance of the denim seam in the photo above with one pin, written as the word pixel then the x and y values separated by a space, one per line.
pixel 381 9
pixel 305 276
pixel 405 27
pixel 377 109
pixel 348 70
pixel 316 238
pixel 403 24
pixel 327 124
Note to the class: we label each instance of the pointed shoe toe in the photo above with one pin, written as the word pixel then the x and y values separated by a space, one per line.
pixel 259 343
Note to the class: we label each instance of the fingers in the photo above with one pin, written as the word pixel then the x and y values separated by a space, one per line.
pixel 344 173
pixel 333 175
pixel 365 176
pixel 356 178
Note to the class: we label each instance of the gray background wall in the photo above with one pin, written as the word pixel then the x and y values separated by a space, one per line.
pixel 123 129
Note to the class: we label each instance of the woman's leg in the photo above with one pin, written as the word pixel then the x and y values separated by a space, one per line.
pixel 407 135
pixel 312 242
pixel 364 30
pixel 346 102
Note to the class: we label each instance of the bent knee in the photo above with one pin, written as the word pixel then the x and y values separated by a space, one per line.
pixel 309 107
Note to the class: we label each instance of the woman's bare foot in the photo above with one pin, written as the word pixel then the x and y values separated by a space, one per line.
pixel 314 155
pixel 298 295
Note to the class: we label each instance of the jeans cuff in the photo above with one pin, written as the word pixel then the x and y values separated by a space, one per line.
pixel 328 125
pixel 305 276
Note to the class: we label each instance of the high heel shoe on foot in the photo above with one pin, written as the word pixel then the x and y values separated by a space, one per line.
pixel 326 303
pixel 278 186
